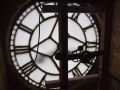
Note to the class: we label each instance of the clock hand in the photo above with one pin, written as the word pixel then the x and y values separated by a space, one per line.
pixel 84 57
pixel 53 27
pixel 80 55
pixel 39 43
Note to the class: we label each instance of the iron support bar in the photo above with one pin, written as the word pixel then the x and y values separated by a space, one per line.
pixel 74 9
pixel 63 43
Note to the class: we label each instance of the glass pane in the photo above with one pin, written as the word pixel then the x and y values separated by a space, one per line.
pixel 14 29
pixel 70 75
pixel 47 65
pixel 51 77
pixel 46 28
pixel 12 37
pixel 31 20
pixel 11 43
pixel 13 58
pixel 46 15
pixel 22 38
pixel 73 44
pixel 92 46
pixel 75 30
pixel 82 67
pixel 70 14
pixel 22 59
pixel 83 20
pixel 90 35
pixel 71 64
pixel 48 47
pixel 55 34
pixel 91 49
pixel 44 31
pixel 37 75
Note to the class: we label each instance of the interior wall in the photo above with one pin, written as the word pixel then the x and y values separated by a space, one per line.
pixel 115 49
pixel 7 79
pixel 3 83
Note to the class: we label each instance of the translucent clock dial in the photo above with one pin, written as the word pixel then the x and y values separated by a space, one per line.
pixel 34 40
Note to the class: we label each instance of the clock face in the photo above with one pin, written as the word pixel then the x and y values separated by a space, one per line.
pixel 34 41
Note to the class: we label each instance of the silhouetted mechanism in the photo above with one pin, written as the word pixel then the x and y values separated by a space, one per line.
pixel 82 56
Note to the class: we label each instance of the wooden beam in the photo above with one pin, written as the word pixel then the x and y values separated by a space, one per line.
pixel 107 45
pixel 78 80
pixel 74 9
pixel 77 1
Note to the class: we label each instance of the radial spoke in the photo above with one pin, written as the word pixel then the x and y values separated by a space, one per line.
pixel 86 28
pixel 58 68
pixel 54 26
pixel 76 39
pixel 39 43
pixel 38 10
pixel 41 53
pixel 38 40
pixel 88 42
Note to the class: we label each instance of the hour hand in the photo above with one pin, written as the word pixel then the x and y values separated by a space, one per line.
pixel 80 48
pixel 84 56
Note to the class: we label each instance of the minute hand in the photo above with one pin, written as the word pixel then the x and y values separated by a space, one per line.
pixel 84 56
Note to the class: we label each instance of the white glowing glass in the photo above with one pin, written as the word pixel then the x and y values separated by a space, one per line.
pixel 31 20
pixel 83 20
pixel 48 47
pixel 22 38
pixel 82 67
pixel 47 65
pixel 37 75
pixel 90 34
pixel 75 30
pixel 22 59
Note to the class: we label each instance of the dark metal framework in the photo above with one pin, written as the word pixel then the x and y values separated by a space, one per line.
pixel 31 66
